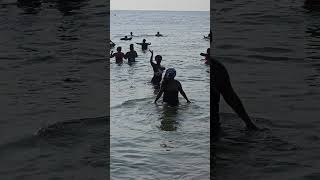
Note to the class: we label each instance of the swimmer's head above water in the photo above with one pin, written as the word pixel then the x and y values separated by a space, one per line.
pixel 170 73
pixel 119 49
pixel 158 59
pixel 131 47
pixel 144 40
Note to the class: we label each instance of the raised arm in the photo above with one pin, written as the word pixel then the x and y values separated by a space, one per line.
pixel 151 58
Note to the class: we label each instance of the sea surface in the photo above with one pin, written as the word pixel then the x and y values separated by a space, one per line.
pixel 272 51
pixel 53 90
pixel 153 141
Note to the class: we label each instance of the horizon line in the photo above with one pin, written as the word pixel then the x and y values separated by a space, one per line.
pixel 157 10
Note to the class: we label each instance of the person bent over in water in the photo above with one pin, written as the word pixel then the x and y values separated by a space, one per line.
pixel 157 69
pixel 118 55
pixel 170 89
pixel 221 85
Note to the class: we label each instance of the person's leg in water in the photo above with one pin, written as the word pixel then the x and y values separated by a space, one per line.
pixel 215 95
pixel 223 84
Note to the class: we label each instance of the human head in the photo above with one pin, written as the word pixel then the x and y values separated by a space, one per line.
pixel 119 49
pixel 131 33
pixel 125 36
pixel 144 40
pixel 158 59
pixel 158 32
pixel 131 47
pixel 170 73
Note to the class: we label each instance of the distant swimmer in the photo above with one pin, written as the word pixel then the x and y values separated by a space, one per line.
pixel 131 55
pixel 126 38
pixel 157 69
pixel 144 45
pixel 131 34
pixel 158 34
pixel 206 55
pixel 118 55
pixel 170 89
pixel 112 44
pixel 222 85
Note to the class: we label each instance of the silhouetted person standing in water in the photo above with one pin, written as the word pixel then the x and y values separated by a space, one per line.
pixel 206 55
pixel 222 85
pixel 170 89
pixel 118 55
pixel 144 45
pixel 131 55
pixel 157 69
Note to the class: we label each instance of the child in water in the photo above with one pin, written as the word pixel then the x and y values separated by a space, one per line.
pixel 157 69
pixel 170 89
pixel 118 55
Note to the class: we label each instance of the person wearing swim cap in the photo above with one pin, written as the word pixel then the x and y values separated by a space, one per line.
pixel 170 89
pixel 157 69
pixel 144 45
pixel 221 85
pixel 118 55
pixel 131 55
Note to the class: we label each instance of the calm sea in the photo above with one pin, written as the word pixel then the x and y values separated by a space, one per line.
pixel 272 51
pixel 150 141
pixel 53 81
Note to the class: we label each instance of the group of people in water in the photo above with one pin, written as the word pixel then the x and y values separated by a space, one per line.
pixel 170 88
pixel 167 86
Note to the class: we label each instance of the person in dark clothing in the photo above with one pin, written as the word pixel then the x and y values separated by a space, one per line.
pixel 144 45
pixel 170 89
pixel 206 55
pixel 157 69
pixel 131 55
pixel 118 55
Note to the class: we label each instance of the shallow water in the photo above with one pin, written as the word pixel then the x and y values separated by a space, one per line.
pixel 152 141
pixel 271 49
pixel 53 76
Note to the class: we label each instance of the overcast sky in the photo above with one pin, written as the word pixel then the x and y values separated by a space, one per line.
pixel 183 5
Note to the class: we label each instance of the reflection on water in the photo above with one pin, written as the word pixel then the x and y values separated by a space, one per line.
pixel 168 118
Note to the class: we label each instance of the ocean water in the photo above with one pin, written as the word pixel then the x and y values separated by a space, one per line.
pixel 53 82
pixel 272 51
pixel 152 141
